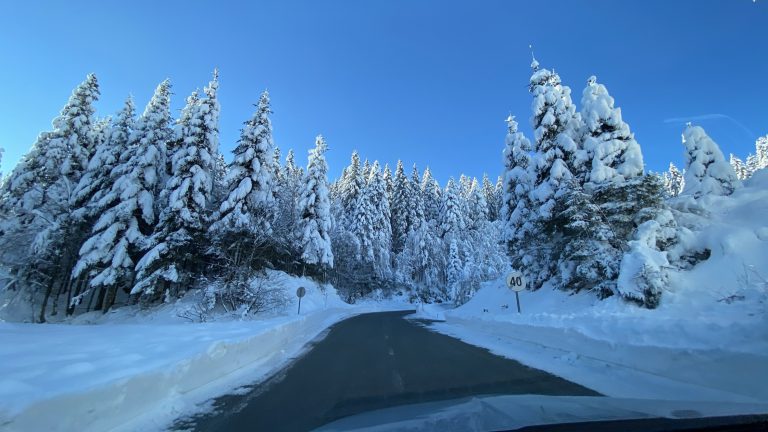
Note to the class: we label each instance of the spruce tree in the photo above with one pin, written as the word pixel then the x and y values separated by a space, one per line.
pixel 313 207
pixel 430 192
pixel 673 181
pixel 401 213
pixel 247 212
pixel 610 152
pixel 555 125
pixel 738 167
pixel 39 228
pixel 381 220
pixel 169 265
pixel 489 194
pixel 516 203
pixel 706 170
pixel 121 233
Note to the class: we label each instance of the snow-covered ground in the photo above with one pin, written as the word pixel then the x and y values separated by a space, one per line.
pixel 708 340
pixel 141 370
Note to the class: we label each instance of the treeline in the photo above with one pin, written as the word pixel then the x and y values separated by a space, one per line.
pixel 139 209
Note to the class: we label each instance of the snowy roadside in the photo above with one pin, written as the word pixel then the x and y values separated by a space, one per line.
pixel 620 350
pixel 143 376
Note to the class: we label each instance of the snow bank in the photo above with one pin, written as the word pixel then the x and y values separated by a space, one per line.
pixel 708 337
pixel 98 377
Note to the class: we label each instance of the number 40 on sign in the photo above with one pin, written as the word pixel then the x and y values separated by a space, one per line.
pixel 516 282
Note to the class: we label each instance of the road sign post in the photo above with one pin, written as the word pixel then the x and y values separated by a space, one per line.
pixel 516 282
pixel 300 292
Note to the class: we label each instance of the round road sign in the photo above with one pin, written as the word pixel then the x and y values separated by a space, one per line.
pixel 516 281
pixel 301 292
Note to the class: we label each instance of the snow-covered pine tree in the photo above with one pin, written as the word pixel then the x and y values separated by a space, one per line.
pixel 489 194
pixel 465 184
pixel 751 164
pixel 416 200
pixel 706 171
pixel 430 192
pixel 454 270
pixel 673 181
pixel 401 213
pixel 277 172
pixel 516 205
pixel 361 224
pixel 553 165
pixel 381 220
pixel 738 167
pixel 366 171
pixel 452 222
pixel 120 234
pixel 314 213
pixel 589 259
pixel 350 187
pixel 176 244
pixel 244 219
pixel 499 192
pixel 761 152
pixel 555 124
pixel 610 152
pixel 478 215
pixel 38 230
pixel 387 177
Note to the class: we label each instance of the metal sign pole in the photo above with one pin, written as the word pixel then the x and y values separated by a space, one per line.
pixel 299 312
pixel 517 297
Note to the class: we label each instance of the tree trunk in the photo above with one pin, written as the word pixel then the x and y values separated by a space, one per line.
pixel 48 291
pixel 100 299
pixel 90 301
pixel 109 300
pixel 79 288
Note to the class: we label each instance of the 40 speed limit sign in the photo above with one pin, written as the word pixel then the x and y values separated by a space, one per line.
pixel 516 282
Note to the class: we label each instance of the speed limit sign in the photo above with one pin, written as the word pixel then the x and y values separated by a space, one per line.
pixel 516 281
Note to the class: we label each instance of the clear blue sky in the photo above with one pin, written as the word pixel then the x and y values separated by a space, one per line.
pixel 427 82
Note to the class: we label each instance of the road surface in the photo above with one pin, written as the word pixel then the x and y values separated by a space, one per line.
pixel 370 362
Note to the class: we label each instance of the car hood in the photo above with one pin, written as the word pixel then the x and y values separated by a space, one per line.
pixel 484 413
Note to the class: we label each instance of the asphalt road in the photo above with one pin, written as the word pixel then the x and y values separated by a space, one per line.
pixel 370 362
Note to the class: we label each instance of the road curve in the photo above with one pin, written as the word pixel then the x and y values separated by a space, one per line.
pixel 369 362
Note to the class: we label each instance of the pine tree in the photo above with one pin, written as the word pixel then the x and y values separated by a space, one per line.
pixel 248 210
pixel 761 152
pixel 350 187
pixel 738 167
pixel 752 164
pixel 673 181
pixel 478 208
pixel 387 177
pixel 415 201
pixel 610 151
pixel 178 237
pixel 454 269
pixel 706 171
pixel 430 192
pixel 121 233
pixel 555 125
pixel 589 259
pixel 401 213
pixel 313 208
pixel 39 230
pixel 489 194
pixel 381 220
pixel 451 217
pixel 361 223
pixel 516 205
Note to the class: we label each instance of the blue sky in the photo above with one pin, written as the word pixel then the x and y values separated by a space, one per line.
pixel 426 82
